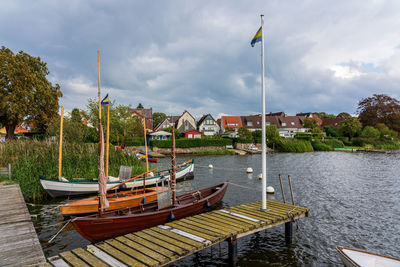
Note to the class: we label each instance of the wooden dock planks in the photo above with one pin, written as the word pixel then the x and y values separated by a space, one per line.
pixel 162 245
pixel 19 244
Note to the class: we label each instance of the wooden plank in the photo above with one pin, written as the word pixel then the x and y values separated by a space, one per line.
pixel 143 249
pixel 170 240
pixel 266 216
pixel 89 257
pixel 240 215
pixel 178 237
pixel 206 226
pixel 152 246
pixel 72 259
pixel 194 232
pixel 275 206
pixel 224 222
pixel 133 253
pixel 277 210
pixel 218 226
pixel 243 221
pixel 105 257
pixel 57 261
pixel 178 250
pixel 117 254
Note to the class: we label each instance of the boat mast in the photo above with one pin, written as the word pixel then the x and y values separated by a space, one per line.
pixel 145 151
pixel 60 149
pixel 263 145
pixel 108 137
pixel 173 163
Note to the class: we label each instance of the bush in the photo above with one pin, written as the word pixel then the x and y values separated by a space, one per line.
pixel 333 143
pixel 244 141
pixel 186 143
pixel 293 145
pixel 304 136
pixel 319 146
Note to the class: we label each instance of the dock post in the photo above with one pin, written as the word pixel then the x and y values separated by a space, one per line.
pixel 288 233
pixel 9 171
pixel 232 250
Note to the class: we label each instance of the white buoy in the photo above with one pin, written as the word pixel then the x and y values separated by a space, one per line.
pixel 210 166
pixel 259 176
pixel 270 190
pixel 249 170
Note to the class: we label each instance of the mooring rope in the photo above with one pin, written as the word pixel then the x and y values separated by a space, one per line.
pixel 59 231
pixel 250 188
pixel 219 168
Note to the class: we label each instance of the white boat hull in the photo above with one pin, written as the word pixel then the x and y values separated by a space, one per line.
pixel 352 257
pixel 56 188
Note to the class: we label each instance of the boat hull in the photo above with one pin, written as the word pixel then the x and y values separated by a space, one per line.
pixel 95 228
pixel 352 257
pixel 56 188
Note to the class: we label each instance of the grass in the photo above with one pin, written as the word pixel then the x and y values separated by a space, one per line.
pixel 215 152
pixel 30 159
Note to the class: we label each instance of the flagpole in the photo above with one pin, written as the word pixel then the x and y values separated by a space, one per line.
pixel 108 136
pixel 263 145
pixel 61 138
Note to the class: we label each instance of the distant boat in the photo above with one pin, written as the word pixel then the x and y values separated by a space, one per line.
pixel 352 257
pixel 57 188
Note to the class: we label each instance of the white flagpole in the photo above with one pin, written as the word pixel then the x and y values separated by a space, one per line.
pixel 264 156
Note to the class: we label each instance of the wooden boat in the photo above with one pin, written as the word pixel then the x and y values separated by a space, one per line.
pixel 117 200
pixel 352 257
pixel 57 188
pixel 115 223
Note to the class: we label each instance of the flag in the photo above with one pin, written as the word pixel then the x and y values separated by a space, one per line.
pixel 105 100
pixel 257 37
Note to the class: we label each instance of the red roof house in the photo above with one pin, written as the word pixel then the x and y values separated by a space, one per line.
pixel 193 134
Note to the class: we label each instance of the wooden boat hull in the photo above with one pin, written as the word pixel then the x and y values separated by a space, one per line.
pixel 56 188
pixel 119 200
pixel 112 224
pixel 352 257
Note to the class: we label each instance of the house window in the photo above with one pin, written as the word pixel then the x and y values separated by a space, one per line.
pixel 268 123
pixel 292 123
pixel 209 122
pixel 283 123
pixel 249 123
pixel 190 136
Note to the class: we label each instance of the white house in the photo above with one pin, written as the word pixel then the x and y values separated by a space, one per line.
pixel 207 125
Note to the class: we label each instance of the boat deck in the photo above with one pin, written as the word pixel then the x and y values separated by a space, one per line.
pixel 167 243
pixel 19 244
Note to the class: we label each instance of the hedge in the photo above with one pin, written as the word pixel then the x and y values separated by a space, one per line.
pixel 319 146
pixel 294 145
pixel 186 143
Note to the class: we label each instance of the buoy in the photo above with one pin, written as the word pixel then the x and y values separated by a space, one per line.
pixel 249 170
pixel 210 166
pixel 259 176
pixel 270 190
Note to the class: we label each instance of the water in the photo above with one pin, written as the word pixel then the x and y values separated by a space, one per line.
pixel 354 200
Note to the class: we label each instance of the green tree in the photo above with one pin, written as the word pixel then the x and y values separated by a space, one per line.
pixel 140 106
pixel 76 115
pixel 350 127
pixel 169 130
pixel 271 133
pixel 343 115
pixel 245 133
pixel 380 109
pixel 73 131
pixel 158 117
pixel 330 131
pixel 385 132
pixel 312 124
pixel 25 93
pixel 370 132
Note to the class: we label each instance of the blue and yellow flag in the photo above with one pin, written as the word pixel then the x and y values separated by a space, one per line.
pixel 105 100
pixel 257 37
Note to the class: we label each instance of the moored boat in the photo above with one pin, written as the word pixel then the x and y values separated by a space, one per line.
pixel 119 222
pixel 352 257
pixel 57 188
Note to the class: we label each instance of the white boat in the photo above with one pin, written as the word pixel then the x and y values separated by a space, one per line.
pixel 352 257
pixel 57 188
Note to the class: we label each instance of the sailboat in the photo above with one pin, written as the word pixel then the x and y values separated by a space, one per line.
pixel 168 207
pixel 352 257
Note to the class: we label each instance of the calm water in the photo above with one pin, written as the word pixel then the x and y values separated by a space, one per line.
pixel 354 200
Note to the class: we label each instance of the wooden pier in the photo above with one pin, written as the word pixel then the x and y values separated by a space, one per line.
pixel 167 243
pixel 19 244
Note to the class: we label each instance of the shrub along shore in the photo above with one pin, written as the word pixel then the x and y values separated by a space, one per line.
pixel 30 159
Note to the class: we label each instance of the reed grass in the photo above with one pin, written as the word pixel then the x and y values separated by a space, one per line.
pixel 31 159
pixel 215 152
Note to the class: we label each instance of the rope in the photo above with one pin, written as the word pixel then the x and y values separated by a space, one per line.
pixel 250 188
pixel 218 168
pixel 59 231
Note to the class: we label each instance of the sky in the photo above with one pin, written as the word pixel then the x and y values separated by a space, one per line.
pixel 196 55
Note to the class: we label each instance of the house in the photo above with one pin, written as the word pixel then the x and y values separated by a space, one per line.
pixel 310 115
pixel 289 126
pixel 186 123
pixel 146 113
pixel 193 134
pixel 252 122
pixel 207 125
pixel 160 135
pixel 230 125
pixel 334 122
pixel 167 122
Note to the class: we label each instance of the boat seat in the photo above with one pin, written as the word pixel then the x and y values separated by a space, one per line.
pixel 124 172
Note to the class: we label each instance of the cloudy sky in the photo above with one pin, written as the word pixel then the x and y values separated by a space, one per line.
pixel 196 55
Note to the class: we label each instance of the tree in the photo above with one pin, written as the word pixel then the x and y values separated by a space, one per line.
pixel 140 106
pixel 312 124
pixel 370 132
pixel 380 109
pixel 350 127
pixel 158 117
pixel 271 133
pixel 330 131
pixel 25 93
pixel 76 115
pixel 245 133
pixel 343 115
pixel 385 132
pixel 176 132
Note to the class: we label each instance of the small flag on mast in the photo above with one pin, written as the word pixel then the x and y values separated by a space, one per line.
pixel 105 100
pixel 257 37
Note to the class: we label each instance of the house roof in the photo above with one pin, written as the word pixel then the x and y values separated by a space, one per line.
pixel 252 121
pixel 312 116
pixel 158 133
pixel 334 122
pixel 231 121
pixel 291 122
pixel 147 112
pixel 203 118
pixel 280 114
